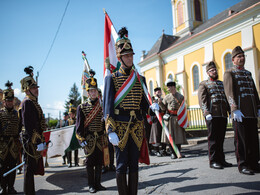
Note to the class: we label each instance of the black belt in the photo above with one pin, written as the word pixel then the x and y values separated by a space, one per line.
pixel 127 112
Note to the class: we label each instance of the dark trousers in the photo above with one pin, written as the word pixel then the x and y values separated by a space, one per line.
pixel 246 143
pixel 128 158
pixel 111 153
pixel 69 157
pixel 29 169
pixel 216 135
pixel 94 164
pixel 7 165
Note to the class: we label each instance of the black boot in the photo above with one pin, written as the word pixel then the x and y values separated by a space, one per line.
pixel 69 159
pixel 91 181
pixel 98 185
pixel 133 183
pixel 121 184
pixel 3 190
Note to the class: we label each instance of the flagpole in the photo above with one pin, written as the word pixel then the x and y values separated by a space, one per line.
pixel 148 96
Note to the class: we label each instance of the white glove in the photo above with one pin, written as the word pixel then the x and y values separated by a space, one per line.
pixel 209 117
pixel 155 107
pixel 83 144
pixel 258 112
pixel 238 115
pixel 41 147
pixel 113 138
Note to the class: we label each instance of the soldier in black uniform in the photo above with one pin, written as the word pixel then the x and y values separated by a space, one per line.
pixel 124 121
pixel 33 141
pixel 90 131
pixel 9 140
pixel 215 108
pixel 72 121
pixel 244 102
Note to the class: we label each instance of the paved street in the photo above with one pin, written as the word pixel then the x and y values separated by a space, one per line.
pixel 190 175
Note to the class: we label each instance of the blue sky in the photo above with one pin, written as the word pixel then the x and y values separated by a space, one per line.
pixel 28 27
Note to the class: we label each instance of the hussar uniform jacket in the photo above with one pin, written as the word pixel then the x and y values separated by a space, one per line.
pixel 212 98
pixel 241 92
pixel 129 109
pixel 90 126
pixel 9 133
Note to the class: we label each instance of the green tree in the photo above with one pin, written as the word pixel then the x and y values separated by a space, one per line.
pixel 52 123
pixel 74 95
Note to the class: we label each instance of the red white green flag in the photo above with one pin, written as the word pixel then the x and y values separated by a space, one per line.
pixel 110 37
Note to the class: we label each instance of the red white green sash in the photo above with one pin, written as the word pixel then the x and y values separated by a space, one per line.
pixel 125 88
pixel 92 114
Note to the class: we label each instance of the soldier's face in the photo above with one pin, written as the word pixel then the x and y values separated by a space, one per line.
pixel 9 104
pixel 93 93
pixel 128 60
pixel 213 73
pixel 239 59
pixel 158 93
pixel 171 89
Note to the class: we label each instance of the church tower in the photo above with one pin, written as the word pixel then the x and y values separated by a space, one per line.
pixel 187 15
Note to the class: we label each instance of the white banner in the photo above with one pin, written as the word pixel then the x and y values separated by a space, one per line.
pixel 60 141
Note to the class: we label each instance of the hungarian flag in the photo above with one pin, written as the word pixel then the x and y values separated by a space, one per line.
pixel 61 139
pixel 110 38
pixel 182 115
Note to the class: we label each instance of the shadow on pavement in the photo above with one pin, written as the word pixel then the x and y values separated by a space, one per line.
pixel 74 181
pixel 255 185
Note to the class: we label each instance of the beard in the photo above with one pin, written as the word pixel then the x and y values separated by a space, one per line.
pixel 214 77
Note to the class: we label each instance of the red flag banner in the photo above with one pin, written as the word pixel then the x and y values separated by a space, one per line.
pixel 182 116
pixel 110 37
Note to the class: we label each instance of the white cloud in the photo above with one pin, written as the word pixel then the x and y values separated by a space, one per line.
pixel 19 94
pixel 54 110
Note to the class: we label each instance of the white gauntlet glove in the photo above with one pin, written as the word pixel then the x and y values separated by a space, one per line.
pixel 113 138
pixel 209 117
pixel 238 115
pixel 155 107
pixel 41 147
pixel 83 144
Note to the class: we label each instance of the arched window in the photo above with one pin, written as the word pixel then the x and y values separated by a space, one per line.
pixel 228 61
pixel 170 77
pixel 197 10
pixel 151 87
pixel 180 13
pixel 195 76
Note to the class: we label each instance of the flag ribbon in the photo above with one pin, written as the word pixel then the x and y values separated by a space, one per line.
pixel 148 96
pixel 125 88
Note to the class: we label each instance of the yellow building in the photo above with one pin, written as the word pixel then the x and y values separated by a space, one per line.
pixel 196 41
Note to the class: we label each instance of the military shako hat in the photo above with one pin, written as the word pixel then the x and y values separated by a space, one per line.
pixel 210 66
pixel 170 82
pixel 123 44
pixel 9 92
pixel 28 82
pixel 91 83
pixel 72 108
pixel 237 50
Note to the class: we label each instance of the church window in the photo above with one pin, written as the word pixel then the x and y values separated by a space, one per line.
pixel 195 76
pixel 180 13
pixel 151 87
pixel 228 61
pixel 197 10
pixel 170 77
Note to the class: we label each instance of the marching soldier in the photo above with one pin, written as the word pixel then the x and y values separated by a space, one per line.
pixel 170 105
pixel 244 102
pixel 72 121
pixel 156 130
pixel 9 140
pixel 215 108
pixel 124 102
pixel 90 131
pixel 33 140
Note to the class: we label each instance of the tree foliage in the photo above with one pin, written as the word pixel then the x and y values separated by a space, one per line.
pixel 73 95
